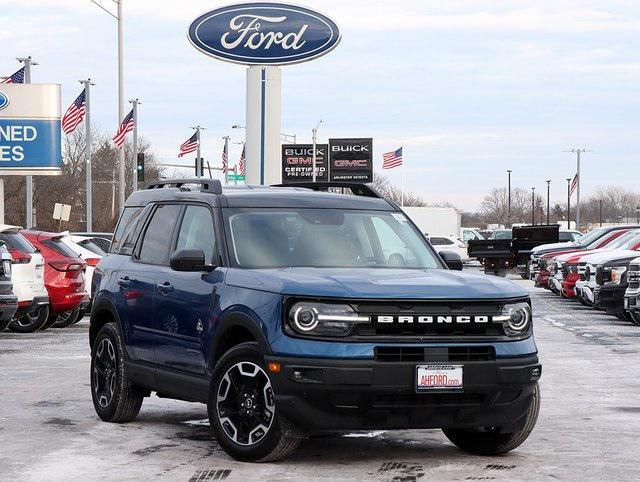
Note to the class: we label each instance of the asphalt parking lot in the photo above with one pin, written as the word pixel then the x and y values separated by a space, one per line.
pixel 588 427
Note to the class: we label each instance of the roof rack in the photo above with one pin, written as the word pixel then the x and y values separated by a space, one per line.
pixel 212 186
pixel 358 189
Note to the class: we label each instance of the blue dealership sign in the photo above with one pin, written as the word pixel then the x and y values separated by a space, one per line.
pixel 264 34
pixel 30 137
pixel 30 144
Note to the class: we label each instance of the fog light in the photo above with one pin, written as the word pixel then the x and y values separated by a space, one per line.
pixel 536 373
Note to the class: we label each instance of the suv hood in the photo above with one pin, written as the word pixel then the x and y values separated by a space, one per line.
pixel 610 255
pixel 375 283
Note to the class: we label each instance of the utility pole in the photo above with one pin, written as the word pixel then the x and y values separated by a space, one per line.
pixel 199 162
pixel 569 203
pixel 600 212
pixel 134 172
pixel 509 196
pixel 577 152
pixel 121 160
pixel 226 159
pixel 314 136
pixel 548 190
pixel 28 62
pixel 533 206
pixel 87 154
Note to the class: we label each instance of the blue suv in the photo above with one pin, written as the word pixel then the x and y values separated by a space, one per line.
pixel 295 311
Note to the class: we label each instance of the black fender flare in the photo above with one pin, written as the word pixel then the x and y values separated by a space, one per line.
pixel 234 319
pixel 102 306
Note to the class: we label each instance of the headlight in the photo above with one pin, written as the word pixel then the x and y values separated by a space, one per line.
pixel 615 274
pixel 516 318
pixel 323 319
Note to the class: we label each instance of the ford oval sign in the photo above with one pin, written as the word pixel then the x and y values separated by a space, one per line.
pixel 4 100
pixel 264 34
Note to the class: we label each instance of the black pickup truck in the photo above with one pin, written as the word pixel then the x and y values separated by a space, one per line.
pixel 498 255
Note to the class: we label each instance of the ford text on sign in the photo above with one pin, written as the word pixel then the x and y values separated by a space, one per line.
pixel 264 34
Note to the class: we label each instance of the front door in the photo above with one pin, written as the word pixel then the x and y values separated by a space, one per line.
pixel 184 301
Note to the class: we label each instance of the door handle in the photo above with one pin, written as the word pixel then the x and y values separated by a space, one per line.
pixel 124 281
pixel 164 287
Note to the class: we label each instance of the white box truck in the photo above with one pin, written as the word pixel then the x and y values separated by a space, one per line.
pixel 434 221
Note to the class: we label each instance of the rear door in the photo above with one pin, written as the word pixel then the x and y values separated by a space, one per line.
pixel 185 301
pixel 137 279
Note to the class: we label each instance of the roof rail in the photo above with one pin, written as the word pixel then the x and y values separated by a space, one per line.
pixel 358 189
pixel 213 186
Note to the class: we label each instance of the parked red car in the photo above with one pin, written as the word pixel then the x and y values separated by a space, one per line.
pixel 63 276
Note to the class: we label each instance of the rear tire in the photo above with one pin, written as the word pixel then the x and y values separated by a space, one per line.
pixel 30 322
pixel 634 317
pixel 493 442
pixel 67 318
pixel 115 398
pixel 242 409
pixel 4 324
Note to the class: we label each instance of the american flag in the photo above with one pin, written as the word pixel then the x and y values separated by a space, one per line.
pixel 392 159
pixel 242 163
pixel 225 160
pixel 75 114
pixel 574 183
pixel 190 145
pixel 16 78
pixel 124 129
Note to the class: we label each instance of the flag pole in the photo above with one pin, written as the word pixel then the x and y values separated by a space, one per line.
pixel 402 195
pixel 134 178
pixel 87 154
pixel 226 162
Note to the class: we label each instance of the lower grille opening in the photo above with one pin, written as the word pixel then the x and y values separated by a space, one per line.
pixel 444 354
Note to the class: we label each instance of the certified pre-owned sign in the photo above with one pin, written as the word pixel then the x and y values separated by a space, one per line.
pixel 297 162
pixel 264 34
pixel 351 159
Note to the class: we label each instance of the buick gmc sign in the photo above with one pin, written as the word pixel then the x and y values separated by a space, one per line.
pixel 264 34
pixel 351 159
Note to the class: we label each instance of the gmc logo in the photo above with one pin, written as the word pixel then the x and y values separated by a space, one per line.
pixel 434 319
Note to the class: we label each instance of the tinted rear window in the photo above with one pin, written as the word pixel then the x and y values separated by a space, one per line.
pixel 91 246
pixel 60 248
pixel 17 241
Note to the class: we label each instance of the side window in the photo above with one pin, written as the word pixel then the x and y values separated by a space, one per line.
pixel 128 220
pixel 440 241
pixel 157 237
pixel 197 231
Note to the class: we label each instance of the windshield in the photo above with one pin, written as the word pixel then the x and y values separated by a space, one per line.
pixel 591 236
pixel 323 238
pixel 502 234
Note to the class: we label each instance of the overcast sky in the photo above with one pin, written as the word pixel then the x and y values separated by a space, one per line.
pixel 469 88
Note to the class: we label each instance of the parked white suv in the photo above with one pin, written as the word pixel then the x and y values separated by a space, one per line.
pixel 450 243
pixel 88 251
pixel 28 281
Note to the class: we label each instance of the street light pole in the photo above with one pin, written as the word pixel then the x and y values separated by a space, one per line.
pixel 28 62
pixel 569 203
pixel 577 153
pixel 134 175
pixel 314 135
pixel 226 162
pixel 87 154
pixel 509 195
pixel 198 128
pixel 121 160
pixel 533 206
pixel 548 190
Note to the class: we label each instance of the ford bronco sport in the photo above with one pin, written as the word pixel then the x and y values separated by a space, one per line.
pixel 292 311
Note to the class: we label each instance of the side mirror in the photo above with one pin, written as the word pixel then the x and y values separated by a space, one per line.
pixel 452 260
pixel 188 259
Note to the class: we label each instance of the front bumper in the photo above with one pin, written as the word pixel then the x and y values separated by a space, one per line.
pixel 8 306
pixel 632 300
pixel 611 298
pixel 324 395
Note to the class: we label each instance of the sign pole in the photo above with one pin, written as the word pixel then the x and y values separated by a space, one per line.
pixel 87 132
pixel 199 163
pixel 28 62
pixel 134 177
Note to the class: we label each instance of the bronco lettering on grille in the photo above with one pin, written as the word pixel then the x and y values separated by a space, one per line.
pixel 449 319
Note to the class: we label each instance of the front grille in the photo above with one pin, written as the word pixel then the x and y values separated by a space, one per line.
pixel 438 354
pixel 582 270
pixel 417 309
pixel 633 277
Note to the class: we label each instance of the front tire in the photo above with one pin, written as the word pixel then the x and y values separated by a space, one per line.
pixel 67 318
pixel 634 317
pixel 488 442
pixel 30 322
pixel 242 409
pixel 115 398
